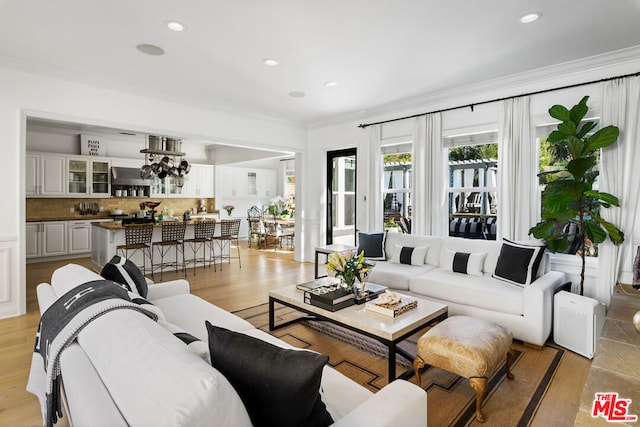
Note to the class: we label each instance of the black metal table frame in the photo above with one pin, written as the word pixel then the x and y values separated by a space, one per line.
pixel 390 344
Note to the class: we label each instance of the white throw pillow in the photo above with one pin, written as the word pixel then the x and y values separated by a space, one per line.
pixel 409 255
pixel 463 262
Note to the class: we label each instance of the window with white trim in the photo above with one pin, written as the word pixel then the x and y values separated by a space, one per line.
pixel 472 184
pixel 397 160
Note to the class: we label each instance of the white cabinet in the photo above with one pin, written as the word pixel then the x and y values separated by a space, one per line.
pixel 79 237
pixel 54 238
pixel 100 181
pixel 45 239
pixel 55 175
pixel 267 183
pixel 199 182
pixel 245 182
pixel 33 239
pixel 45 174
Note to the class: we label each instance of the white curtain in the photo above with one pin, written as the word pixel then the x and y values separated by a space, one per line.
pixel 516 172
pixel 429 211
pixel 620 176
pixel 375 208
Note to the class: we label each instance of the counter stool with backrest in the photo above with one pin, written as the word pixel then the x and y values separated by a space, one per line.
pixel 469 347
pixel 202 238
pixel 172 237
pixel 229 230
pixel 137 238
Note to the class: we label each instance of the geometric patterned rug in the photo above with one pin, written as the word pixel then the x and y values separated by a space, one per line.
pixel 451 401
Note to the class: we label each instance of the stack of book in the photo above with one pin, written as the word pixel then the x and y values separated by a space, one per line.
pixel 332 297
pixel 393 310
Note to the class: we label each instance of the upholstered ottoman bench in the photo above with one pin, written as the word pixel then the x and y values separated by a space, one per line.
pixel 468 347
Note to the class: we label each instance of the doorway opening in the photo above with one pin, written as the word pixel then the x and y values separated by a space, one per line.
pixel 341 197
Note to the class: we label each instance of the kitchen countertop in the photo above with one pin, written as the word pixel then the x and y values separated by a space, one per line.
pixel 117 225
pixel 69 218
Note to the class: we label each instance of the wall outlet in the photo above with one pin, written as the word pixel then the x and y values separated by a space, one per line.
pixel 71 210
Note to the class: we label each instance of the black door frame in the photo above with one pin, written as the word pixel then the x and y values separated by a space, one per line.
pixel 331 155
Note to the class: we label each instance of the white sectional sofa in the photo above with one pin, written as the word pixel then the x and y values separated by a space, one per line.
pixel 525 310
pixel 126 369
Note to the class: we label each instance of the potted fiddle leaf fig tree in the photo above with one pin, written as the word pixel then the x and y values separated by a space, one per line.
pixel 570 197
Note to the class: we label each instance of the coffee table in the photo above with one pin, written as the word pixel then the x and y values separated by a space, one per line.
pixel 387 330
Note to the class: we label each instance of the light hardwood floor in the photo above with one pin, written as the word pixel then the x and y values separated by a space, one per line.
pixel 231 288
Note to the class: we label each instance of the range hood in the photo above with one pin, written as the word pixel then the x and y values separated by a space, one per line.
pixel 128 177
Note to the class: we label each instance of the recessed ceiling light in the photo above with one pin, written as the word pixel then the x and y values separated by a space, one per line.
pixel 175 26
pixel 296 94
pixel 270 62
pixel 150 49
pixel 530 17
pixel 331 84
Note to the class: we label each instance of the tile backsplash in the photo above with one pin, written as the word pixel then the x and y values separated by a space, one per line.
pixel 43 209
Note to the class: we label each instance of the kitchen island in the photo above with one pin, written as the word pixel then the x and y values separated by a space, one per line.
pixel 107 236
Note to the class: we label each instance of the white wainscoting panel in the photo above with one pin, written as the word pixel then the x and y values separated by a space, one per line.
pixel 9 286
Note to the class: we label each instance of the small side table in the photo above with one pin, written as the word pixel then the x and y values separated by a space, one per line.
pixel 329 249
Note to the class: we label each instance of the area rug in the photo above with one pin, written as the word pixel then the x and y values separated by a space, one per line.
pixel 451 401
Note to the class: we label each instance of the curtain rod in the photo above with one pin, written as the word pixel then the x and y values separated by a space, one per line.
pixel 499 99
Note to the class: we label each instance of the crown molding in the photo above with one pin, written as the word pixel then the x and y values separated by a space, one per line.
pixel 587 69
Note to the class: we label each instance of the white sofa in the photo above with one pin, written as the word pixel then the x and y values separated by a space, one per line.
pixel 126 369
pixel 525 311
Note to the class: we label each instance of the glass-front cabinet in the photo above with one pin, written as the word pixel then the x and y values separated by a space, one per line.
pixel 100 178
pixel 78 176
pixel 87 176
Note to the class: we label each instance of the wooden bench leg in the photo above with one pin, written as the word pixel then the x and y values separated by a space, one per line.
pixel 510 355
pixel 418 364
pixel 479 384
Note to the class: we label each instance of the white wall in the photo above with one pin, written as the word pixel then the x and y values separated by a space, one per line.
pixel 36 96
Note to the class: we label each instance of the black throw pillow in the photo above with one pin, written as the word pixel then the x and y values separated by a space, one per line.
pixel 372 244
pixel 278 386
pixel 518 263
pixel 125 272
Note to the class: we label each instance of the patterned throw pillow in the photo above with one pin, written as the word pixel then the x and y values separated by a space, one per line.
pixel 463 262
pixel 518 263
pixel 409 255
pixel 125 272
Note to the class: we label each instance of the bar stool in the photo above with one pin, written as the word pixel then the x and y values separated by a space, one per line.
pixel 138 238
pixel 202 238
pixel 229 229
pixel 172 237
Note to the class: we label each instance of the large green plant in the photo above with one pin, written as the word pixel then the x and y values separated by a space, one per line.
pixel 570 198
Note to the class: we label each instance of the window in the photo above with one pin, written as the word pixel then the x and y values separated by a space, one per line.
pixel 473 186
pixel 396 192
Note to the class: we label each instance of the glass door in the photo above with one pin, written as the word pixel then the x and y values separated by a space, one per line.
pixel 100 177
pixel 77 183
pixel 341 197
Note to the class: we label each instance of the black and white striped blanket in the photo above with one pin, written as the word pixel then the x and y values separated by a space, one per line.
pixel 59 326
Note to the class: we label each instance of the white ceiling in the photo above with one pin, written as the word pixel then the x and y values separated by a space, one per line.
pixel 379 51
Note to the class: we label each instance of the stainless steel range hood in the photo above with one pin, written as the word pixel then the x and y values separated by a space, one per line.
pixel 128 177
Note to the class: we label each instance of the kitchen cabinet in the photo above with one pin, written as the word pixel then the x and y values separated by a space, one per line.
pixel 200 182
pixel 79 237
pixel 45 239
pixel 100 184
pixel 45 174
pixel 231 182
pixel 55 175
pixel 33 239
pixel 78 176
